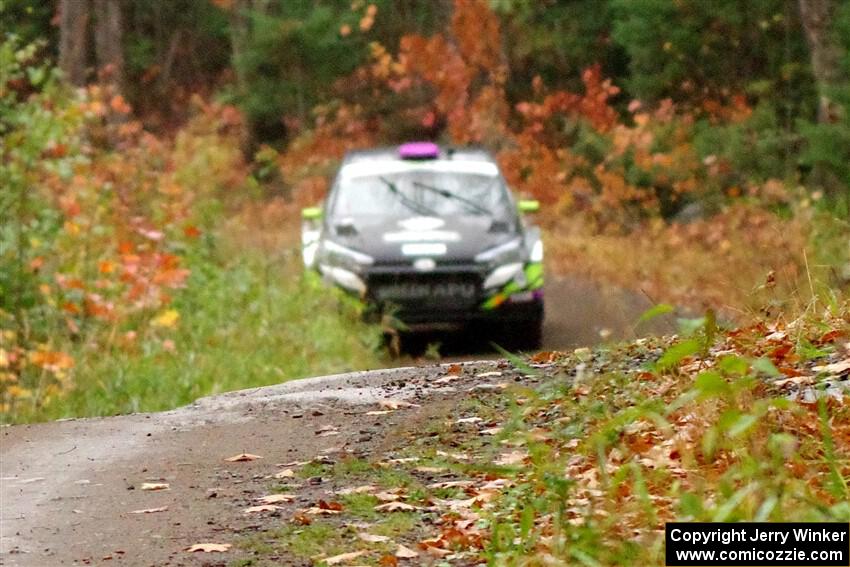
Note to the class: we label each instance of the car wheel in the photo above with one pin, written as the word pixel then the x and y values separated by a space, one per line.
pixel 523 334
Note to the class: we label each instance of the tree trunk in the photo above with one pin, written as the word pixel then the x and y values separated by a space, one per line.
pixel 108 36
pixel 826 53
pixel 74 18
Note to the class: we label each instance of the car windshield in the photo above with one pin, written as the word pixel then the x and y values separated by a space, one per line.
pixel 423 191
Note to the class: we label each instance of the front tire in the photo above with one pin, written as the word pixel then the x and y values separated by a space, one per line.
pixel 523 334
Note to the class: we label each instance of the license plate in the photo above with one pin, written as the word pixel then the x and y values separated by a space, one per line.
pixel 413 291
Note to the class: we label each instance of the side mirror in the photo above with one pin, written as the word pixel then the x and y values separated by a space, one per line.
pixel 311 213
pixel 528 206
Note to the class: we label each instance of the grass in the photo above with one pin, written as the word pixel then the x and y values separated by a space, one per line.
pixel 614 456
pixel 244 321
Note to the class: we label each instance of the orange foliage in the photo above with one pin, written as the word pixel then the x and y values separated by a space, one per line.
pixel 124 213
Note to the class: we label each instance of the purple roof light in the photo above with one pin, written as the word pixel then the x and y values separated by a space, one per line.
pixel 419 150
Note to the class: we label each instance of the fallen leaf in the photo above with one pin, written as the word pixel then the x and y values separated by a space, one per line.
pixel 209 547
pixel 405 552
pixel 330 505
pixel 378 412
pixel 262 508
pixel 327 432
pixel 387 496
pixel 242 457
pixel 293 464
pixel 446 379
pixel 396 507
pixel 495 484
pixel 512 458
pixel 402 460
pixel 488 374
pixel 388 561
pixel 454 369
pixel 372 538
pixel 793 380
pixel 150 510
pixel 435 551
pixel 343 557
pixel 491 431
pixel 455 456
pixel 396 404
pixel 154 486
pixel 457 504
pixel 430 470
pixel 357 489
pixel 452 484
pixel 473 419
pixel 317 511
pixel 324 509
pixel 275 498
pixel 285 473
pixel 829 337
pixel 835 368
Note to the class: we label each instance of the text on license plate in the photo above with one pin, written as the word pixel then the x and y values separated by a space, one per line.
pixel 413 291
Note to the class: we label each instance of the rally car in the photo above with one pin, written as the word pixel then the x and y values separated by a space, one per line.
pixel 432 235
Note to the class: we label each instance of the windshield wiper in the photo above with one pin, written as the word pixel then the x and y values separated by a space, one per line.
pixel 411 204
pixel 450 195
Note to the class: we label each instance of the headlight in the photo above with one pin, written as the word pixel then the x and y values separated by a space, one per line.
pixel 508 252
pixel 335 254
pixel 503 274
pixel 344 278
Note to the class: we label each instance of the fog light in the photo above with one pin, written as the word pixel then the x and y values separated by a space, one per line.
pixel 523 297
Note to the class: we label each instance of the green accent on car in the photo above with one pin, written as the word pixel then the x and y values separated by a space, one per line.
pixel 534 280
pixel 311 213
pixel 528 206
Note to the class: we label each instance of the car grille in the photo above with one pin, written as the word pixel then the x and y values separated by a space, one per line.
pixel 414 292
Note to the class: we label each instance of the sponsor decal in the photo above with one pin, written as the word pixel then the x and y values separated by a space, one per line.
pixel 424 249
pixel 422 236
pixel 421 223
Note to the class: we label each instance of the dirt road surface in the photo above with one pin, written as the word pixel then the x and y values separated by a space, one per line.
pixel 69 488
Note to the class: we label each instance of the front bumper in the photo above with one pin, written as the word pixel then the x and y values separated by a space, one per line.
pixel 450 294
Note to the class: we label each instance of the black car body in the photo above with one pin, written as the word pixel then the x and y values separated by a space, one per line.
pixel 433 235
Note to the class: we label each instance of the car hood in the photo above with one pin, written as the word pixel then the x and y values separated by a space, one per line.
pixel 394 241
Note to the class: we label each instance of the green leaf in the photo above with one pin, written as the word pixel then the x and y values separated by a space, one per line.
pixel 676 353
pixel 725 511
pixel 655 311
pixel 709 443
pixel 691 505
pixel 688 327
pixel 733 365
pixel 765 366
pixel 711 384
pixel 743 423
